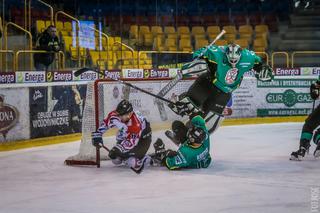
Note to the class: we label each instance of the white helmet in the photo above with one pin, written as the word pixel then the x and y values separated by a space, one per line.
pixel 233 52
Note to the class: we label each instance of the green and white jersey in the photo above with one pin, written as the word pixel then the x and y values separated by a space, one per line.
pixel 227 78
pixel 189 156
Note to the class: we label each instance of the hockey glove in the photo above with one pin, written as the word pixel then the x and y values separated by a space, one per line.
pixel 184 107
pixel 179 108
pixel 265 73
pixel 314 91
pixel 96 138
pixel 159 147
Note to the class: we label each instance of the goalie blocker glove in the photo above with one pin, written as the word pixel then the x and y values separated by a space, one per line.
pixel 96 138
pixel 263 72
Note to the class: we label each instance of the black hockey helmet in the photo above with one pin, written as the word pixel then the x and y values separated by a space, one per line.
pixel 233 53
pixel 124 107
pixel 196 135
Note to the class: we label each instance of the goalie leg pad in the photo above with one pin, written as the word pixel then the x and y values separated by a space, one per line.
pixel 213 121
pixel 316 137
pixel 195 67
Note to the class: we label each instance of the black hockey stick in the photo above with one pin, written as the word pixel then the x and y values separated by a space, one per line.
pixel 85 69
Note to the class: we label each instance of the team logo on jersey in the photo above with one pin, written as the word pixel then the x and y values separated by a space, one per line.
pixel 231 75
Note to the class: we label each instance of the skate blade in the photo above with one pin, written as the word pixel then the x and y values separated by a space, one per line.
pixel 317 154
pixel 294 158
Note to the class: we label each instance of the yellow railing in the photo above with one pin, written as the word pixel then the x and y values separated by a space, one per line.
pixel 20 28
pixel 63 59
pixel 60 65
pixel 264 54
pixel 280 53
pixel 13 58
pixel 117 43
pixel 77 32
pixel 301 52
pixel 107 37
pixel 50 8
pixel 152 51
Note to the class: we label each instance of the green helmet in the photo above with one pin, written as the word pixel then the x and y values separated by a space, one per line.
pixel 196 135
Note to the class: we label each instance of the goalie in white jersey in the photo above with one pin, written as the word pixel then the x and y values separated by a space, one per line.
pixel 133 137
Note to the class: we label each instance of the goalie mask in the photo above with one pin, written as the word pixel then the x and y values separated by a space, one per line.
pixel 124 107
pixel 196 135
pixel 233 52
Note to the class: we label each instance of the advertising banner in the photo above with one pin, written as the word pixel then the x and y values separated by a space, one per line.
pixel 14 114
pixel 156 73
pixel 281 97
pixel 310 71
pixel 59 76
pixel 86 76
pixel 56 110
pixel 132 73
pixel 7 77
pixel 31 77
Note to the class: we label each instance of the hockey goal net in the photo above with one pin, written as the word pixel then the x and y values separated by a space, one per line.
pixel 103 96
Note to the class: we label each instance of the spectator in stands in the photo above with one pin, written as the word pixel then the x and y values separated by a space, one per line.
pixel 49 41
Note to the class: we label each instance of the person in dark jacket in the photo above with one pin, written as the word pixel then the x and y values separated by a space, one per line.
pixel 49 41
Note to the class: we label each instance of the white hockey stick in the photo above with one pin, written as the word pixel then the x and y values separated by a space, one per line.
pixel 176 79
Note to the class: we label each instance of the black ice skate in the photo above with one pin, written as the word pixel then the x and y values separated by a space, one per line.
pixel 316 153
pixel 298 155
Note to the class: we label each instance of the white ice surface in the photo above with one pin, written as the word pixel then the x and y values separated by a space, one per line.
pixel 251 173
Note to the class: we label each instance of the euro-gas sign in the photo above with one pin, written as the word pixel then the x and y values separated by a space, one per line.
pixel 289 98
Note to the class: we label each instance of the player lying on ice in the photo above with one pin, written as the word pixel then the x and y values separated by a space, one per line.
pixel 212 90
pixel 133 137
pixel 193 152
pixel 311 123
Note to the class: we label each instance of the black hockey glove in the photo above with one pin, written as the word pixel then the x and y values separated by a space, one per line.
pixel 264 73
pixel 96 138
pixel 179 108
pixel 159 147
pixel 314 90
pixel 184 107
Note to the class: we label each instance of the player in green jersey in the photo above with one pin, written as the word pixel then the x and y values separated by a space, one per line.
pixel 211 91
pixel 308 130
pixel 193 152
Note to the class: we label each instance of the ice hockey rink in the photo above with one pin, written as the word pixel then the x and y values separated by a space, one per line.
pixel 251 172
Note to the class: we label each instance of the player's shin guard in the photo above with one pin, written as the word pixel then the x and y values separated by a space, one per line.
pixel 213 121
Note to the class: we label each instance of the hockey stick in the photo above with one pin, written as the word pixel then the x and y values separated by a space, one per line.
pixel 314 102
pixel 180 76
pixel 85 69
pixel 98 160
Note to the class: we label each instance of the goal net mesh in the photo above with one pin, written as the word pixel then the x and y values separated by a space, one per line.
pixel 104 95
